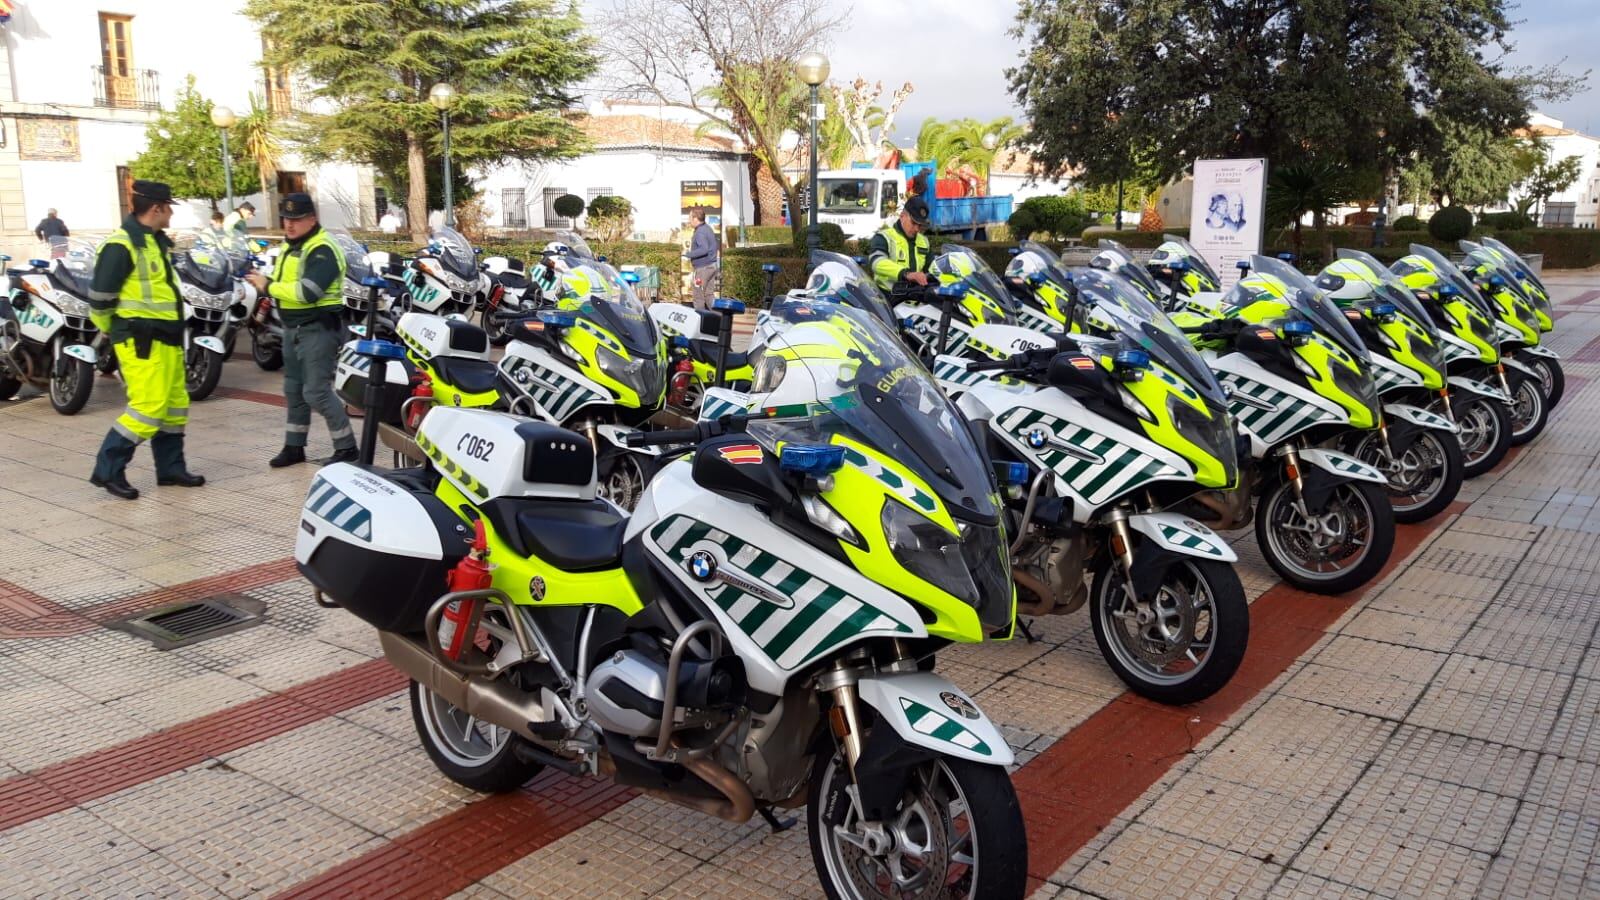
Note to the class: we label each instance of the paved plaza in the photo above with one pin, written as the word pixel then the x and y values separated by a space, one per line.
pixel 1434 734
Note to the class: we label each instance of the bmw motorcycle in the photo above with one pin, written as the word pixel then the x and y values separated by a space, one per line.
pixel 1519 306
pixel 444 278
pixel 46 337
pixel 760 635
pixel 215 303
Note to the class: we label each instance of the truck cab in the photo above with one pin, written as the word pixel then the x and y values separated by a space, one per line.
pixel 862 200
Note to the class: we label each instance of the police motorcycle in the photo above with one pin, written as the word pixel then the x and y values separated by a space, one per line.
pixel 1477 340
pixel 1516 302
pixel 444 278
pixel 215 302
pixel 46 337
pixel 759 635
pixel 700 349
pixel 1120 432
pixel 595 363
pixel 263 322
pixel 359 266
pixel 1299 382
pixel 511 294
pixel 1183 271
pixel 1532 285
pixel 929 323
pixel 1417 444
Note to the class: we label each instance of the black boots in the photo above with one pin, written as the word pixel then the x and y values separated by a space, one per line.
pixel 288 456
pixel 111 464
pixel 182 479
pixel 117 486
pixel 170 466
pixel 348 454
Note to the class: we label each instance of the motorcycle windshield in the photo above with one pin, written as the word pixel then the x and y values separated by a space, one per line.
pixel 978 276
pixel 1306 299
pixel 207 265
pixel 850 375
pixel 1391 289
pixel 1052 266
pixel 576 244
pixel 452 249
pixel 594 290
pixel 1515 261
pixel 1451 274
pixel 1196 261
pixel 858 289
pixel 1139 320
pixel 1114 257
pixel 76 266
pixel 356 267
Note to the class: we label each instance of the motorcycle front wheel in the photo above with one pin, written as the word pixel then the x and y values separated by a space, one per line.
pixel 202 370
pixel 1186 642
pixel 957 833
pixel 1485 433
pixel 1424 479
pixel 1529 411
pixel 1552 378
pixel 71 380
pixel 267 354
pixel 1339 550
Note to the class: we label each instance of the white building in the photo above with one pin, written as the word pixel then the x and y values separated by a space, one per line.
pixel 79 84
pixel 648 154
pixel 1579 204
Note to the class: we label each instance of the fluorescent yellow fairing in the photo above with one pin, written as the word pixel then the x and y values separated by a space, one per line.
pixel 1153 391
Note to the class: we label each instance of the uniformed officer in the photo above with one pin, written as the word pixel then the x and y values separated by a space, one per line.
pixel 899 252
pixel 134 300
pixel 308 284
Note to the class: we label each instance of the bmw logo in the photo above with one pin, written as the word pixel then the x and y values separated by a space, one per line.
pixel 1037 438
pixel 702 565
pixel 522 375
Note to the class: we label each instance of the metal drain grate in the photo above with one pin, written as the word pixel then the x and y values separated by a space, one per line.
pixel 183 624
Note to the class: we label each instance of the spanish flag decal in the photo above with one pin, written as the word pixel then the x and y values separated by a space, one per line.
pixel 742 454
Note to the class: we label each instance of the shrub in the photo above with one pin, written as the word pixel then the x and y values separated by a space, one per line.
pixel 1407 223
pixel 768 234
pixel 610 218
pixel 830 235
pixel 1506 221
pixel 1055 216
pixel 568 206
pixel 1451 224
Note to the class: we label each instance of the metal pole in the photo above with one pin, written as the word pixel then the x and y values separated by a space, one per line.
pixel 744 197
pixel 813 235
pixel 1119 204
pixel 227 168
pixel 449 205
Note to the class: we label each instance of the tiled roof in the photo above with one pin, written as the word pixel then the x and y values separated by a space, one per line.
pixel 635 131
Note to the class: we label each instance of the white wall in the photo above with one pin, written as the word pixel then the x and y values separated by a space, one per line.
pixel 650 180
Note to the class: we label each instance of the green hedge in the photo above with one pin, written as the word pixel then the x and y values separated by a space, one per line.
pixel 764 234
pixel 1133 240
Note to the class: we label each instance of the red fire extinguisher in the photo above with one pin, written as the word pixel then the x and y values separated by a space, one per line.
pixel 421 386
pixel 678 385
pixel 472 573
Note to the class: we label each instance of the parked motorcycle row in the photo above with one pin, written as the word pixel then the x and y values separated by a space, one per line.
pixel 742 616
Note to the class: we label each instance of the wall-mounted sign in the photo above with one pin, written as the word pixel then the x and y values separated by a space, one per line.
pixel 52 139
pixel 1225 221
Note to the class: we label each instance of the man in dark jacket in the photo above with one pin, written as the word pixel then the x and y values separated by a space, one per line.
pixel 704 257
pixel 50 228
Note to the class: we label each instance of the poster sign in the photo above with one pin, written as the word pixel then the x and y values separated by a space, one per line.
pixel 1225 221
pixel 52 139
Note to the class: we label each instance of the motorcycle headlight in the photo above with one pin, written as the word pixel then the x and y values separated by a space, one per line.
pixel 925 549
pixel 72 306
pixel 1213 433
pixel 646 377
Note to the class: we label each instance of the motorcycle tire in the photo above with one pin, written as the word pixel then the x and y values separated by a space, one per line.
pixel 1552 378
pixel 202 371
pixel 71 385
pixel 498 334
pixel 994 837
pixel 1227 630
pixel 1529 411
pixel 1496 419
pixel 268 359
pixel 1270 535
pixel 498 769
pixel 1451 470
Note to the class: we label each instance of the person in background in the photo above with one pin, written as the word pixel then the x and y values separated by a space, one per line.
pixel 52 231
pixel 239 219
pixel 900 251
pixel 133 299
pixel 390 223
pixel 704 255
pixel 306 284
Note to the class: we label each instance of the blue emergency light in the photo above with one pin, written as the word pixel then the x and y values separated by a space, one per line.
pixel 814 460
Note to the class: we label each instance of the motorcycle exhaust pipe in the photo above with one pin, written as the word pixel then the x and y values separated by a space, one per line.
pixel 737 803
pixel 491 701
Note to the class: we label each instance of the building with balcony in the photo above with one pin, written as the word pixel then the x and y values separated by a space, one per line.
pixel 79 84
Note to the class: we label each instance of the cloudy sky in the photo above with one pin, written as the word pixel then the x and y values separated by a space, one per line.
pixel 956 52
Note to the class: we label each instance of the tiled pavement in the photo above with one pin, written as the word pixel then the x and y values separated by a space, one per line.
pixel 1434 736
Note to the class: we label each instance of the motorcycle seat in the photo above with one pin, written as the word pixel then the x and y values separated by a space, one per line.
pixel 470 376
pixel 706 352
pixel 573 535
pixel 512 280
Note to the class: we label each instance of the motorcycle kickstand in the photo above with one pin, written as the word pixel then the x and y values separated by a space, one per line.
pixel 778 826
pixel 1027 632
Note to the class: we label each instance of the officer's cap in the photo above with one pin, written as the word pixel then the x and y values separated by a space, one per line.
pixel 917 209
pixel 297 205
pixel 157 191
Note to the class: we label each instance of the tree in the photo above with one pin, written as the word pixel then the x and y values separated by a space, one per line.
pixel 259 137
pixel 1164 82
pixel 610 218
pixel 673 50
pixel 511 62
pixel 857 128
pixel 1479 167
pixel 1310 188
pixel 183 149
pixel 961 142
pixel 1551 178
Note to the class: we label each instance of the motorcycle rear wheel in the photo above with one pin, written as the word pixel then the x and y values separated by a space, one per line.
pixel 958 829
pixel 268 358
pixel 471 753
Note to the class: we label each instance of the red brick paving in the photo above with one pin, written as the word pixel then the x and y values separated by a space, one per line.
pixel 233 393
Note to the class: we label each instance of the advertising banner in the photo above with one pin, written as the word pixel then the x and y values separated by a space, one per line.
pixel 1225 222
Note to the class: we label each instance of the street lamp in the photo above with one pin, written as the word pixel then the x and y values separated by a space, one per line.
pixel 813 69
pixel 224 119
pixel 441 96
pixel 990 141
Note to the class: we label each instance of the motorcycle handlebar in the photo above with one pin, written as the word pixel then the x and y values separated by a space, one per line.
pixel 702 431
pixel 994 365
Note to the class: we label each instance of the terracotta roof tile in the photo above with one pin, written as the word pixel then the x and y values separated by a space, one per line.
pixel 633 131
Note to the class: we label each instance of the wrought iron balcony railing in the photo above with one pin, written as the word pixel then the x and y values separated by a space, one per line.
pixel 138 89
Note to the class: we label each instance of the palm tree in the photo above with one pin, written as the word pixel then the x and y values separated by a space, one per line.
pixel 261 137
pixel 961 142
pixel 1313 187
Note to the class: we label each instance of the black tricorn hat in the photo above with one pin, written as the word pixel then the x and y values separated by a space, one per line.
pixel 296 206
pixel 159 191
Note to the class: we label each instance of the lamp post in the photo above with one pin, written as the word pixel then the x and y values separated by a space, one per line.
pixel 990 142
pixel 224 119
pixel 813 69
pixel 441 96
